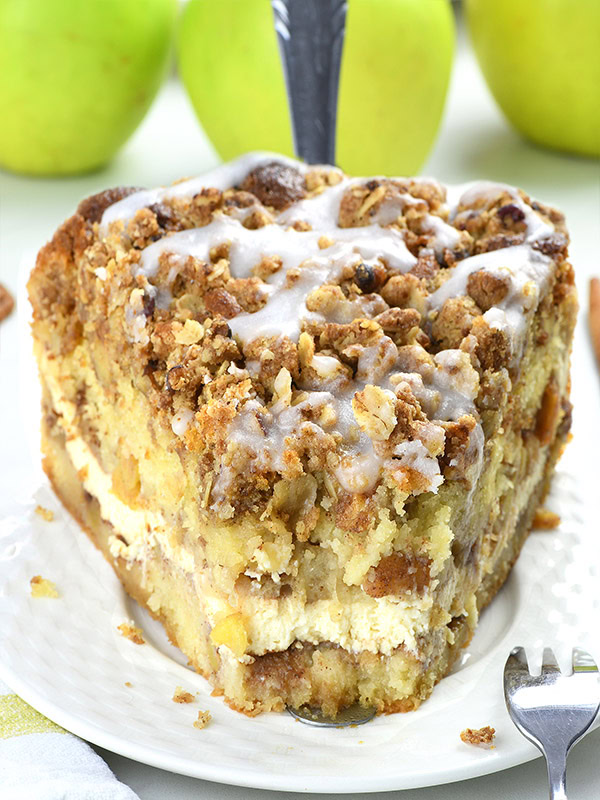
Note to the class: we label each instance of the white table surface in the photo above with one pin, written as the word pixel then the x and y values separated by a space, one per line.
pixel 474 142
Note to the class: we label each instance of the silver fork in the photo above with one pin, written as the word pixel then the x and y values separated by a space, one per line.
pixel 552 710
pixel 311 38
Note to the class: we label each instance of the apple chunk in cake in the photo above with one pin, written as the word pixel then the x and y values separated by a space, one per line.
pixel 307 418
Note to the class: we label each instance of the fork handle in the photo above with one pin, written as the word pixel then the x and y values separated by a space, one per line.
pixel 556 760
pixel 311 37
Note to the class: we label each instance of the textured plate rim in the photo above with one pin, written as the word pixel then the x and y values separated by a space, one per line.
pixel 314 784
pixel 508 756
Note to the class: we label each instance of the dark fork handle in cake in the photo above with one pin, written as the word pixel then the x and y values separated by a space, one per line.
pixel 311 37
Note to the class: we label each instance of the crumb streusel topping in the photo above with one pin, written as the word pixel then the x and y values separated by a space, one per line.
pixel 296 321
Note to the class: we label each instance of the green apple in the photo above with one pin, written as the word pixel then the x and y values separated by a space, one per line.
pixel 395 69
pixel 77 78
pixel 541 60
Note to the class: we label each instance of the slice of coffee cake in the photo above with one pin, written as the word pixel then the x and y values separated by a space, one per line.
pixel 307 418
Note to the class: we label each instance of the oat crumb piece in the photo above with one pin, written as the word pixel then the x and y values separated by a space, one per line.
pixel 6 302
pixel 40 587
pixel 181 696
pixel 481 737
pixel 545 520
pixel 204 717
pixel 45 513
pixel 132 633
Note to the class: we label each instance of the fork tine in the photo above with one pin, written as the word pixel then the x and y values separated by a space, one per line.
pixel 517 660
pixel 549 662
pixel 583 661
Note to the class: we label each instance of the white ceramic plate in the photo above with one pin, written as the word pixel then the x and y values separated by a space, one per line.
pixel 66 658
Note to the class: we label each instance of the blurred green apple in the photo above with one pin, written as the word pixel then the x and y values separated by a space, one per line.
pixel 541 59
pixel 395 69
pixel 77 76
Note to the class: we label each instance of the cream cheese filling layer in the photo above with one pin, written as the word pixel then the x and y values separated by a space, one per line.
pixel 364 623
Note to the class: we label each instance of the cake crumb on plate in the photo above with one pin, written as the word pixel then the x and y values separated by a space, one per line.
pixel 131 632
pixel 480 737
pixel 45 513
pixel 181 696
pixel 204 717
pixel 40 587
pixel 545 520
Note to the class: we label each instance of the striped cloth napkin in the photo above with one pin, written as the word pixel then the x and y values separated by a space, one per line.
pixel 41 761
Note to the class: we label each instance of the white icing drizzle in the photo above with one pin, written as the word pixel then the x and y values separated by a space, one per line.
pixel 527 271
pixel 222 177
pixel 445 235
pixel 457 383
pixel 446 390
pixel 135 319
pixel 285 309
pixel 468 193
pixel 414 455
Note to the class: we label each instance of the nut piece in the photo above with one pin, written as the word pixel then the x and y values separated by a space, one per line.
pixel 268 265
pixel 282 389
pixel 454 321
pixel 220 301
pixel 275 184
pixel 375 411
pixel 399 320
pixel 487 289
pixel 493 347
pixel 401 290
